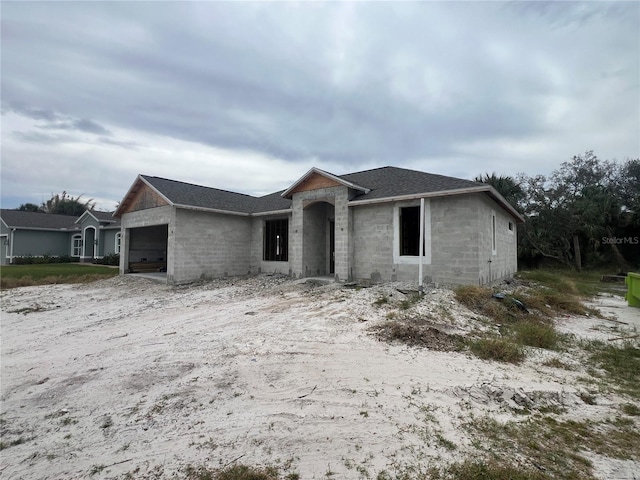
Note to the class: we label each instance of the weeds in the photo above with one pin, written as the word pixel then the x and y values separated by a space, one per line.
pixel 237 472
pixel 554 446
pixel 536 334
pixel 621 364
pixel 497 349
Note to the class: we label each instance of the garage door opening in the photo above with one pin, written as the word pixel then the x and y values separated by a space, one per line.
pixel 147 248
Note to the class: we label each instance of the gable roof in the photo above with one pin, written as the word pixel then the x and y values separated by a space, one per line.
pixel 188 195
pixel 101 217
pixel 38 220
pixel 371 186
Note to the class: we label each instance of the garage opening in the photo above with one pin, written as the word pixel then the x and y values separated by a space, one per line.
pixel 148 249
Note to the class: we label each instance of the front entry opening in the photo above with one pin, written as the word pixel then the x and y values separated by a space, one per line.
pixel 318 239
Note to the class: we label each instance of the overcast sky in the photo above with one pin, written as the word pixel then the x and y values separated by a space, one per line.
pixel 248 96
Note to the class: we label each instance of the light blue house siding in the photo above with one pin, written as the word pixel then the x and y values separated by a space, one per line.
pixel 88 237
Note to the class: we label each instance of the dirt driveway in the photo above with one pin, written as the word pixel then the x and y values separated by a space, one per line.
pixel 129 376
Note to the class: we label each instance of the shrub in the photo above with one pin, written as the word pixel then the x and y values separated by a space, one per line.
pixel 109 259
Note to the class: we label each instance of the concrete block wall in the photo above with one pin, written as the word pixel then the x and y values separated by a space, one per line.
pixel 454 235
pixel 299 256
pixel 373 243
pixel 454 230
pixel 209 245
pixel 505 261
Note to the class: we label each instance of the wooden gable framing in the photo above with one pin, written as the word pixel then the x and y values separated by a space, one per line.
pixel 141 196
pixel 316 179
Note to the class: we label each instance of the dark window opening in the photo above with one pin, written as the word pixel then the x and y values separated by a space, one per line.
pixel 410 231
pixel 276 240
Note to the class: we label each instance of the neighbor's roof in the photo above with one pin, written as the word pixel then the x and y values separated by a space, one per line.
pixel 37 220
pixel 101 217
pixel 376 185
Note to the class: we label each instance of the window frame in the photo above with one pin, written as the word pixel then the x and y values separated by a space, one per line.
pixel 494 234
pixel 275 240
pixel 397 226
pixel 117 243
pixel 76 250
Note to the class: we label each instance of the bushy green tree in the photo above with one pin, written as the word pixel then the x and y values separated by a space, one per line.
pixel 586 212
pixel 65 204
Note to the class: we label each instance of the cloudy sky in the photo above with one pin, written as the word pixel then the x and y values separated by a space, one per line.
pixel 249 96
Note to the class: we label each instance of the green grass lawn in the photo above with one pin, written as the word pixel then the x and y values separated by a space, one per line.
pixel 12 276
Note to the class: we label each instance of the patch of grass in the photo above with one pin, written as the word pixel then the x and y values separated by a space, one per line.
pixel 621 364
pixel 487 470
pixel 552 446
pixel 536 334
pixel 381 300
pixel 96 469
pixel 417 332
pixel 13 443
pixel 409 301
pixel 551 302
pixel 555 362
pixel 497 349
pixel 631 409
pixel 238 472
pixel 586 283
pixel 13 276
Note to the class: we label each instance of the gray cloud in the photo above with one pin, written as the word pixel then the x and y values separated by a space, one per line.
pixel 348 84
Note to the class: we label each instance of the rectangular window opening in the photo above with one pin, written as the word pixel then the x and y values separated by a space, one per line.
pixel 276 240
pixel 410 232
pixel 493 234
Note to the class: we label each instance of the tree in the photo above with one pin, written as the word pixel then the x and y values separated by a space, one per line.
pixel 580 213
pixel 67 205
pixel 506 186
pixel 29 207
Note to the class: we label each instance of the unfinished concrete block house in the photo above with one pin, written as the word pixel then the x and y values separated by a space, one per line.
pixel 359 226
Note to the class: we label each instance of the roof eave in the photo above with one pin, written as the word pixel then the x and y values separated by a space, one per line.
pixel 272 212
pixel 413 196
pixel 212 210
pixel 447 193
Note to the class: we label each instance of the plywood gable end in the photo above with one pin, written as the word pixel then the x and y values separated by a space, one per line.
pixel 315 181
pixel 142 198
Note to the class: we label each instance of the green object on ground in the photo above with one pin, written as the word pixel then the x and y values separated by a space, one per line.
pixel 633 289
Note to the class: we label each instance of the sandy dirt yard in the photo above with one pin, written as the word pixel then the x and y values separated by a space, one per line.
pixel 129 376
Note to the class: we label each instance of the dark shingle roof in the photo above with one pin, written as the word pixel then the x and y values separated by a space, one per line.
pixel 48 221
pixel 105 216
pixel 388 182
pixel 272 202
pixel 180 193
pixel 384 182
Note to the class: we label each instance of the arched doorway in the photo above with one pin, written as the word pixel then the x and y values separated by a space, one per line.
pixel 318 252
pixel 89 243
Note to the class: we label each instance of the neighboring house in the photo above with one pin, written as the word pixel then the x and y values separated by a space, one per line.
pixel 359 226
pixel 90 236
